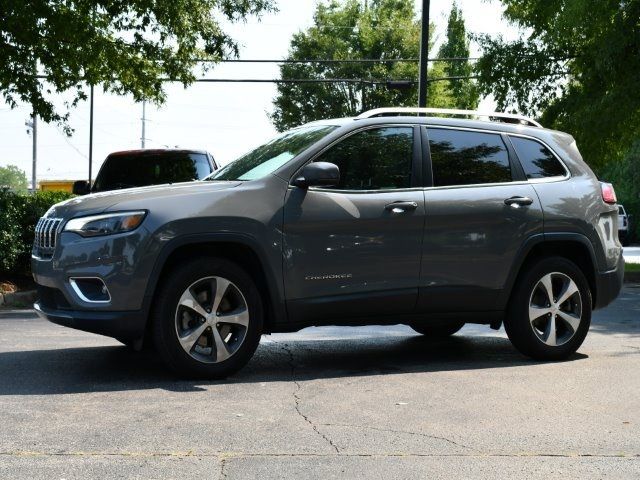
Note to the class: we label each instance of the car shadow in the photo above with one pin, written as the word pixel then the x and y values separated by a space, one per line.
pixel 114 368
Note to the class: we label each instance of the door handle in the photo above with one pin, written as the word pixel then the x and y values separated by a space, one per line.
pixel 518 201
pixel 400 207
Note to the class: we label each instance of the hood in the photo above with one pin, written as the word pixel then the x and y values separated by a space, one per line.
pixel 103 201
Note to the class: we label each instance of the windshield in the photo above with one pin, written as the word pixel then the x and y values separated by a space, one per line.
pixel 270 156
pixel 139 169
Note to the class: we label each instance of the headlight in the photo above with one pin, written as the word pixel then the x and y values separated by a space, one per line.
pixel 105 224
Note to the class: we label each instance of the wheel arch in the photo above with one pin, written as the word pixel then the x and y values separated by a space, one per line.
pixel 239 248
pixel 572 246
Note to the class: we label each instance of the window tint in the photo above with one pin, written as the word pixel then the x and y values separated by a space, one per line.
pixel 270 156
pixel 462 157
pixel 373 159
pixel 202 165
pixel 148 167
pixel 536 159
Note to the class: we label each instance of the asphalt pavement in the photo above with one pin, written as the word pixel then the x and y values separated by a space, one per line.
pixel 366 402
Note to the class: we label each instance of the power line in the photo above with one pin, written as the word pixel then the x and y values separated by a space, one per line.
pixel 326 80
pixel 330 61
pixel 360 81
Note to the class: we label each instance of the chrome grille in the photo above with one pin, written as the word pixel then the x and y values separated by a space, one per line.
pixel 44 242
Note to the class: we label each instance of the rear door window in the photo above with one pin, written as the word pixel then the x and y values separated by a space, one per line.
pixel 536 159
pixel 464 157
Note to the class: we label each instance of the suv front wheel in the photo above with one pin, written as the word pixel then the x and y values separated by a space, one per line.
pixel 550 310
pixel 208 318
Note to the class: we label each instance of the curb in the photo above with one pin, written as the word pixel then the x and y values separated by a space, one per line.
pixel 632 277
pixel 18 299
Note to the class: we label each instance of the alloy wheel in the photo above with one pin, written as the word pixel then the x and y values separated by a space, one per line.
pixel 555 309
pixel 211 319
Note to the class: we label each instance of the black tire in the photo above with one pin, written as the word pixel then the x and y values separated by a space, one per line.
pixel 164 318
pixel 520 329
pixel 437 331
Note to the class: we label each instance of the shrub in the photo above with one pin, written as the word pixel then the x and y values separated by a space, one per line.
pixel 625 176
pixel 19 214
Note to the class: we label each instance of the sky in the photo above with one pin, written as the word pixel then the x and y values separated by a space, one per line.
pixel 224 119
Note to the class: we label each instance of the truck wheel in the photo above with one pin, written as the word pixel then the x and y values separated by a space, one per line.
pixel 207 319
pixel 550 310
pixel 437 331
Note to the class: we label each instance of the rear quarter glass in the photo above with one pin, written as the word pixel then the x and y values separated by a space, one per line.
pixel 536 159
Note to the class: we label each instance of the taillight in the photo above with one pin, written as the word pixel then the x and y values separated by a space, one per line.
pixel 608 193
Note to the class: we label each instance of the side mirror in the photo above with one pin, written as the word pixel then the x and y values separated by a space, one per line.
pixel 81 187
pixel 318 174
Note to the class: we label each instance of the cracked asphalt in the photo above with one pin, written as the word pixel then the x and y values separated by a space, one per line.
pixel 366 402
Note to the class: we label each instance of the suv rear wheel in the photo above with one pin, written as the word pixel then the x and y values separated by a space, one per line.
pixel 550 310
pixel 208 318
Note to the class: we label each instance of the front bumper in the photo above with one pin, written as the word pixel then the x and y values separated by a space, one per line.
pixel 126 326
pixel 609 284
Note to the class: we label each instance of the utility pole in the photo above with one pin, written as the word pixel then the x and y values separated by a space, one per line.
pixel 32 128
pixel 424 55
pixel 93 20
pixel 90 133
pixel 144 120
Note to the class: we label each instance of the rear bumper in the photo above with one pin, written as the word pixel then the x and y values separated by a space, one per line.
pixel 609 284
pixel 120 325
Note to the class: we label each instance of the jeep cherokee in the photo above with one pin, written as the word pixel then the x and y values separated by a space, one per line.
pixel 390 217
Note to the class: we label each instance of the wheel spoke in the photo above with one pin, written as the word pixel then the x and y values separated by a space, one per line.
pixel 536 312
pixel 237 317
pixel 570 289
pixel 221 351
pixel 211 304
pixel 189 301
pixel 571 319
pixel 190 339
pixel 221 285
pixel 550 332
pixel 548 287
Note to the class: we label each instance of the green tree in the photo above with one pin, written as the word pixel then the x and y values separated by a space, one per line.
pixel 463 92
pixel 625 175
pixel 383 29
pixel 13 178
pixel 128 47
pixel 576 66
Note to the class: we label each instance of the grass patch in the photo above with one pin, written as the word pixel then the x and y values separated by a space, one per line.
pixel 631 267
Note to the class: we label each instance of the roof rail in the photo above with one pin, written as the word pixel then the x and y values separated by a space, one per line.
pixel 504 117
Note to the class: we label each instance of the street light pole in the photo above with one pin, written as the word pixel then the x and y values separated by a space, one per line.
pixel 90 134
pixel 34 131
pixel 424 55
pixel 144 121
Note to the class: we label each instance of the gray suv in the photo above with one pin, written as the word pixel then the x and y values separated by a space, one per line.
pixel 390 217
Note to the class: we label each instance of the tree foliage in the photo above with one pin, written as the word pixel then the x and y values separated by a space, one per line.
pixel 13 178
pixel 379 29
pixel 576 66
pixel 128 47
pixel 462 93
pixel 625 174
pixel 386 29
